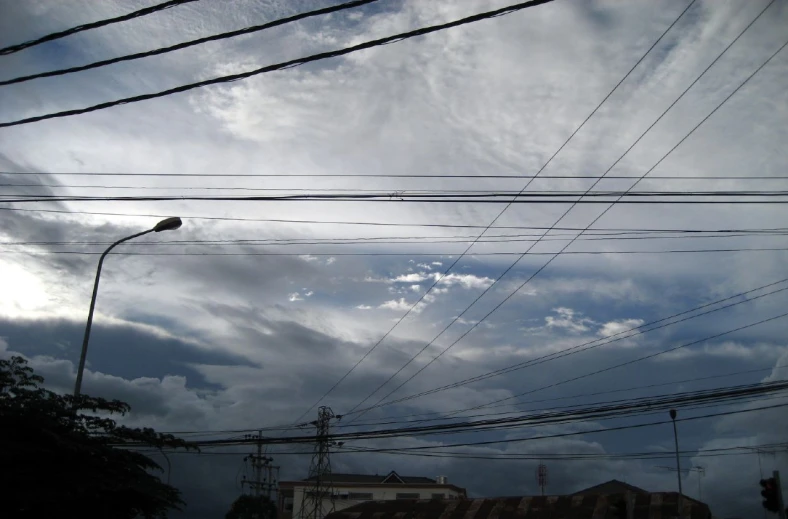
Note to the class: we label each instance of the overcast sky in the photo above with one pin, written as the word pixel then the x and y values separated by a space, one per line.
pixel 251 335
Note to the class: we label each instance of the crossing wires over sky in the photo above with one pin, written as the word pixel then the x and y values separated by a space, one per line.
pixel 285 65
pixel 475 238
pixel 565 213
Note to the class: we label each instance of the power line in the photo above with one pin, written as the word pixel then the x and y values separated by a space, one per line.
pixel 290 427
pixel 191 43
pixel 409 254
pixel 339 222
pixel 627 363
pixel 580 414
pixel 410 240
pixel 636 330
pixel 565 247
pixel 93 25
pixel 398 419
pixel 284 65
pixel 384 175
pixel 492 223
pixel 704 197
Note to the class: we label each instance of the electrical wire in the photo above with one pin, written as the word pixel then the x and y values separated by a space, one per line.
pixel 339 222
pixel 404 240
pixel 492 223
pixel 622 364
pixel 580 414
pixel 381 175
pixel 624 334
pixel 284 65
pixel 397 420
pixel 618 201
pixel 414 254
pixel 488 198
pixel 93 25
pixel 191 43
pixel 565 456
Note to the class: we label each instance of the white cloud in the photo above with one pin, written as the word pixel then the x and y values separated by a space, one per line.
pixel 416 277
pixel 450 102
pixel 617 327
pixel 464 280
pixel 569 320
pixel 396 304
pixel 415 288
pixel 309 293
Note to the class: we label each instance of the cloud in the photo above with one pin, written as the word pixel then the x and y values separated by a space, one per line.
pixel 396 304
pixel 568 319
pixel 464 280
pixel 618 327
pixel 207 342
pixel 416 277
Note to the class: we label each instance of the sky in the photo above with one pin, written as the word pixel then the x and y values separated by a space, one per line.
pixel 236 334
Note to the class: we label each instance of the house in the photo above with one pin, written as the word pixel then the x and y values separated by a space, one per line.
pixel 605 501
pixel 352 489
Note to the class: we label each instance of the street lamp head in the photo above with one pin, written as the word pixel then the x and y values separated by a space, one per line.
pixel 168 224
pixel 672 414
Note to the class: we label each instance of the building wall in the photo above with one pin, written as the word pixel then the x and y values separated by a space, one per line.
pixel 350 495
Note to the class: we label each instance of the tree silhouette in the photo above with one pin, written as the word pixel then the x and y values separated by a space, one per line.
pixel 58 461
pixel 251 507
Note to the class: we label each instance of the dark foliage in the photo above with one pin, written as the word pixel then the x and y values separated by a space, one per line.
pixel 62 460
pixel 252 507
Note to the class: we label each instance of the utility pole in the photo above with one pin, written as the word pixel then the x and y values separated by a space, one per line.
pixel 263 482
pixel 680 504
pixel 321 488
pixel 780 502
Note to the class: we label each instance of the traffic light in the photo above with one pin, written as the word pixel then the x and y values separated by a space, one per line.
pixel 769 493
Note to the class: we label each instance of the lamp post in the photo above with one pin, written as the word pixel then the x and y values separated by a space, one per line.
pixel 678 463
pixel 168 224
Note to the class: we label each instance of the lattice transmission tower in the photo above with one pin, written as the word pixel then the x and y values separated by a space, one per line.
pixel 318 499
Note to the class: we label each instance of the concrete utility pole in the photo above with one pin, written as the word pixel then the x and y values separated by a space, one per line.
pixel 780 501
pixel 263 482
pixel 322 488
pixel 680 514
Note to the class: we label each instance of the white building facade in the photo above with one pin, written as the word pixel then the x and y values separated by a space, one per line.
pixel 352 489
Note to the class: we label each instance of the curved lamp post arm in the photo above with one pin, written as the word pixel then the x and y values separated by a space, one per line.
pixel 86 337
pixel 168 224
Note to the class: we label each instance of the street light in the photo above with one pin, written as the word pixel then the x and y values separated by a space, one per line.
pixel 168 224
pixel 678 464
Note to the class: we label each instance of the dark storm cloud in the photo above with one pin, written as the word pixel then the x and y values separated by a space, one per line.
pixel 123 350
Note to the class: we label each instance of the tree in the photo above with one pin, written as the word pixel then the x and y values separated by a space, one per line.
pixel 251 507
pixel 58 461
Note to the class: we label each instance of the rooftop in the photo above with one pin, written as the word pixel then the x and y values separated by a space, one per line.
pixel 658 504
pixel 392 477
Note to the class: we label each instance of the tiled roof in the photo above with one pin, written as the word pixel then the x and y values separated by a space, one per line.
pixel 611 487
pixel 660 504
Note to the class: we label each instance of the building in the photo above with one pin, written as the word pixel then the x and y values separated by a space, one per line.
pixel 613 486
pixel 605 501
pixel 352 489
